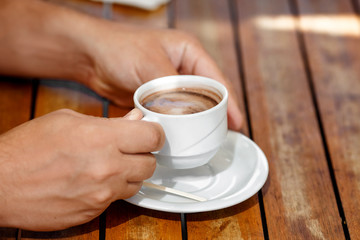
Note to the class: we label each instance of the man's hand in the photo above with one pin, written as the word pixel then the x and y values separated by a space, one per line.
pixel 126 56
pixel 64 168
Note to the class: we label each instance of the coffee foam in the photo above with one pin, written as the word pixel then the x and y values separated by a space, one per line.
pixel 180 101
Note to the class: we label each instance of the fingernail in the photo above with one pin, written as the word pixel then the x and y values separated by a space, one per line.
pixel 134 114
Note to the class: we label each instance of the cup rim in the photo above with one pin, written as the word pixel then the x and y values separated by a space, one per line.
pixel 219 86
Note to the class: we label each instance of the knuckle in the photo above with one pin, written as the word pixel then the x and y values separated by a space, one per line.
pixel 103 197
pixel 150 166
pixel 101 172
pixel 190 38
pixel 90 132
pixel 63 118
pixel 183 34
pixel 59 122
pixel 65 112
pixel 131 192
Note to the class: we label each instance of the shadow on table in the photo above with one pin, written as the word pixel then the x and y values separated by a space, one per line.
pixel 121 212
pixel 90 229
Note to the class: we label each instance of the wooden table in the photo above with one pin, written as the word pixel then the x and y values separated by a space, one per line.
pixel 296 68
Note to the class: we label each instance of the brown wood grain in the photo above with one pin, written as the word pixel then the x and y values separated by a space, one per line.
pixel 127 221
pixel 85 6
pixel 334 58
pixel 131 15
pixel 55 94
pixel 241 221
pixel 15 98
pixel 86 231
pixel 298 196
pixel 8 233
pixel 210 22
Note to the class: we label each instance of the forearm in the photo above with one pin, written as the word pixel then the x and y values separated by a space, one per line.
pixel 38 39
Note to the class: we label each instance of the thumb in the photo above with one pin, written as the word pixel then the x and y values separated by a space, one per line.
pixel 134 114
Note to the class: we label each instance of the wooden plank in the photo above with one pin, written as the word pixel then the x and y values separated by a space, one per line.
pixel 210 22
pixel 298 197
pixel 86 231
pixel 241 221
pixel 15 108
pixel 123 220
pixel 85 6
pixel 15 99
pixel 332 40
pixel 55 94
pixel 8 233
pixel 131 15
pixel 127 221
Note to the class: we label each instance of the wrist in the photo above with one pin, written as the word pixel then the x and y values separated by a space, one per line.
pixel 45 42
pixel 70 32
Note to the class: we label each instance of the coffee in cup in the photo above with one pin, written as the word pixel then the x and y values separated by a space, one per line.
pixel 193 113
pixel 180 101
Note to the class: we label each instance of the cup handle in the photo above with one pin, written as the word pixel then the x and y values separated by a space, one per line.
pixel 145 118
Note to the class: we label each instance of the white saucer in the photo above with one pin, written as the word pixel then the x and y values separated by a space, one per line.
pixel 235 173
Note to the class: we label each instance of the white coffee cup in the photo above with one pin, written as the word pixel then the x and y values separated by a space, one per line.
pixel 191 139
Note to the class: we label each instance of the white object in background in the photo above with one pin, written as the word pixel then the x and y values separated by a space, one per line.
pixel 143 4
